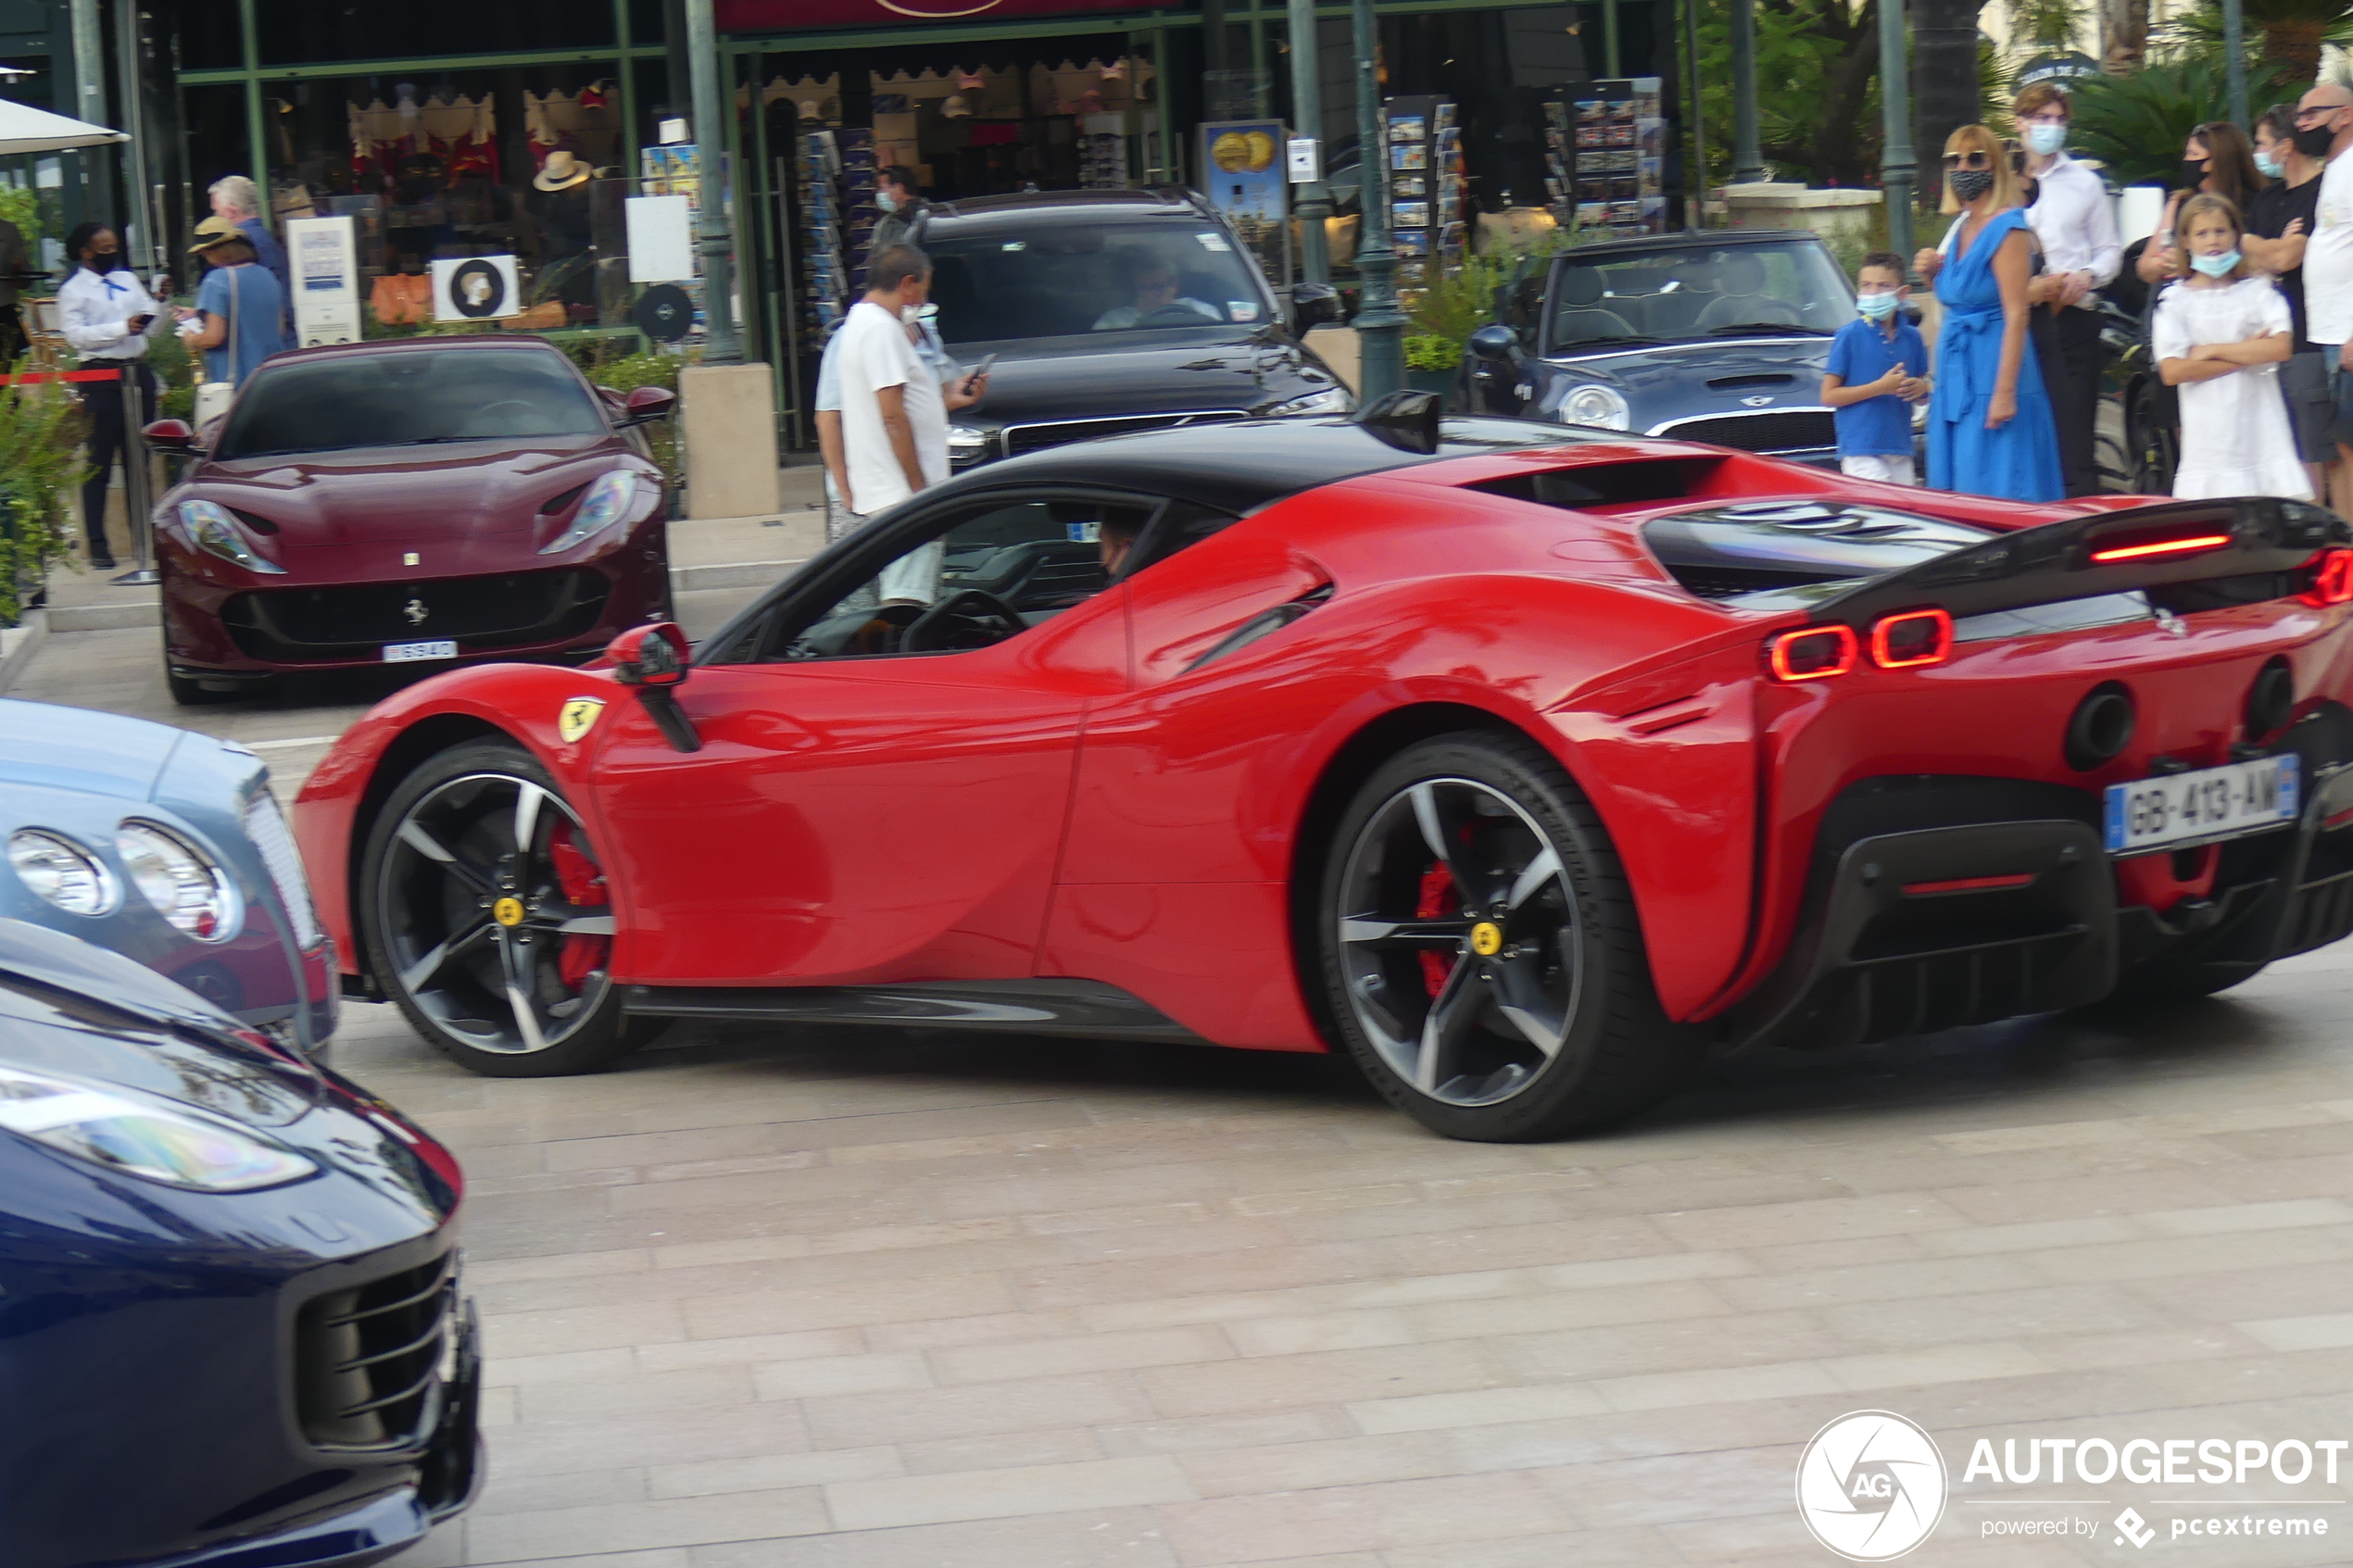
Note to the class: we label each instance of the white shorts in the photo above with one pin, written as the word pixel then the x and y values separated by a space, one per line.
pixel 1887 470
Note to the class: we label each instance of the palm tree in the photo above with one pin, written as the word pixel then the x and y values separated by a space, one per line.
pixel 2286 33
pixel 2043 27
pixel 2136 124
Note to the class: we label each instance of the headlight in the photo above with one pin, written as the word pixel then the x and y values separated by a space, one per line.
pixel 1331 400
pixel 61 871
pixel 964 443
pixel 176 1148
pixel 605 504
pixel 266 825
pixel 1596 405
pixel 187 889
pixel 216 532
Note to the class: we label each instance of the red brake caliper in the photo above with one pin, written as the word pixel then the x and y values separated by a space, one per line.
pixel 1438 899
pixel 584 886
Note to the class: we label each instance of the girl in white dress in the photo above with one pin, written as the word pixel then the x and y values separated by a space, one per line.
pixel 2220 335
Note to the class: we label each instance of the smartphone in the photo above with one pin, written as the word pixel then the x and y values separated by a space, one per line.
pixel 982 369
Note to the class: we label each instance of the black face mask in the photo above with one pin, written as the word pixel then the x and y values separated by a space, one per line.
pixel 2313 141
pixel 2193 173
pixel 104 261
pixel 1971 183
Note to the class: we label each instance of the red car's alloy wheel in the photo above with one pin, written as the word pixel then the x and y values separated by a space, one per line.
pixel 1481 956
pixel 1459 941
pixel 492 925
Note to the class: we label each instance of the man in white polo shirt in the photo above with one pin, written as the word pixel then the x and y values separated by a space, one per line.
pixel 2324 127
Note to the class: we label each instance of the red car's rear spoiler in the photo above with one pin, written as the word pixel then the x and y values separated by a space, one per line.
pixel 2116 552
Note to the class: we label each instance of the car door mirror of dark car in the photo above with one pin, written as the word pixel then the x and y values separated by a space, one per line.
pixel 652 661
pixel 1313 304
pixel 646 404
pixel 169 436
pixel 1496 344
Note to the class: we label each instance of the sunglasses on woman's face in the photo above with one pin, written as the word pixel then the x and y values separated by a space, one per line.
pixel 1969 160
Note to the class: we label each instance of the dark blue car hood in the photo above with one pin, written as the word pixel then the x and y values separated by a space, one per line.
pixel 1684 369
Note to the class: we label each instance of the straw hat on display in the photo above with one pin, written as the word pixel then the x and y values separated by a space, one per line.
pixel 561 173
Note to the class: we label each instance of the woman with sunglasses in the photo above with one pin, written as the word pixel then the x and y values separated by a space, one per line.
pixel 1990 430
pixel 2217 160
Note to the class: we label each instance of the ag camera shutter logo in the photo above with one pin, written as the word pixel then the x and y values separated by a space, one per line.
pixel 1871 1485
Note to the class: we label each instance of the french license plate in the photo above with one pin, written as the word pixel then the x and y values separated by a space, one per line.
pixel 2197 807
pixel 412 653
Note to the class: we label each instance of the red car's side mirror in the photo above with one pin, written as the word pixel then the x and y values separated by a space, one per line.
pixel 170 435
pixel 647 404
pixel 652 659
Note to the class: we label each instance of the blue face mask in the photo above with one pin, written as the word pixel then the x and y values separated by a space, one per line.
pixel 2215 266
pixel 1876 306
pixel 2045 139
pixel 2270 167
pixel 885 201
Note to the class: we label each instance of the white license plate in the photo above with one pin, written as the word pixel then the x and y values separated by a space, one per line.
pixel 412 653
pixel 2199 807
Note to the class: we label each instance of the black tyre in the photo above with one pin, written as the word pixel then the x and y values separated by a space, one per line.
pixel 486 917
pixel 187 692
pixel 1480 952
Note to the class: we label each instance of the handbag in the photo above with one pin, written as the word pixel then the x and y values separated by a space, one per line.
pixel 213 398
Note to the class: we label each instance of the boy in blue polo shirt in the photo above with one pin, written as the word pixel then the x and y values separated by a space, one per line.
pixel 1878 368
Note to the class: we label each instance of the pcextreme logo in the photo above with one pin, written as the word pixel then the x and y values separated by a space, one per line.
pixel 1871 1485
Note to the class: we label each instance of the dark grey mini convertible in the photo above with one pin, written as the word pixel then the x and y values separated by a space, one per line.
pixel 1717 335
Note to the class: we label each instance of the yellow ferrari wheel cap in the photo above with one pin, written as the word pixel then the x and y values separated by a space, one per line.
pixel 507 911
pixel 1487 939
pixel 579 716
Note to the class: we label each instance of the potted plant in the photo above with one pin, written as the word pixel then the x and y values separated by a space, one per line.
pixel 40 437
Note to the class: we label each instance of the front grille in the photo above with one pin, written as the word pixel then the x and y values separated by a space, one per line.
pixel 1030 438
pixel 266 825
pixel 1784 430
pixel 287 625
pixel 367 1359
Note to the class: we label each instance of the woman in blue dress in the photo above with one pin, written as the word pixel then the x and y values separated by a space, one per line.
pixel 1990 430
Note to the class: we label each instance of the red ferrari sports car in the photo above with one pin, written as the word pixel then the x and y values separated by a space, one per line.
pixel 428 500
pixel 1527 766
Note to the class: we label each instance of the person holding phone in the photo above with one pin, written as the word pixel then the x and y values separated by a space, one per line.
pixel 106 316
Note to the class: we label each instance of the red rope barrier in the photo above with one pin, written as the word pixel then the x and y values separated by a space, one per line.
pixel 32 376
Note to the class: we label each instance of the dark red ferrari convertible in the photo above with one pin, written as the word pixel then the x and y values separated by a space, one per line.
pixel 426 501
pixel 1528 767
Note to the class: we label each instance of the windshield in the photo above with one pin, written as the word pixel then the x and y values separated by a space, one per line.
pixel 409 399
pixel 1062 279
pixel 1687 293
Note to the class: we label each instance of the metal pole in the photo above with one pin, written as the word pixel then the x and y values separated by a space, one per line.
pixel 1380 326
pixel 1609 37
pixel 89 104
pixel 2234 57
pixel 1748 163
pixel 148 257
pixel 257 134
pixel 1694 143
pixel 1896 165
pixel 720 346
pixel 1307 119
pixel 135 500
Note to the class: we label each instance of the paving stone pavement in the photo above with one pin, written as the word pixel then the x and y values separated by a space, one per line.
pixel 886 1299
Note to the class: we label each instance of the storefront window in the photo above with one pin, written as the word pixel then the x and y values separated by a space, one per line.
pixel 532 163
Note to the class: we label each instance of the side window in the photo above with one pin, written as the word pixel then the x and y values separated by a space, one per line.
pixel 990 574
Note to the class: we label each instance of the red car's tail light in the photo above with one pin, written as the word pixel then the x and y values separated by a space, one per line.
pixel 1914 637
pixel 1811 652
pixel 2195 543
pixel 2333 583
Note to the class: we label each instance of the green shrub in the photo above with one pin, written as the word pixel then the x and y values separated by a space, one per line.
pixel 41 431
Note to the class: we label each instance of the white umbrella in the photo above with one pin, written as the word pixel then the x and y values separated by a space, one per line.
pixel 24 129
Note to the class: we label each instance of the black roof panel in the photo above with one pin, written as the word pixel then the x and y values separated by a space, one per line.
pixel 1242 466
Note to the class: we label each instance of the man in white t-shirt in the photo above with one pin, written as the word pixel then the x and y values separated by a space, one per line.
pixel 2327 110
pixel 894 410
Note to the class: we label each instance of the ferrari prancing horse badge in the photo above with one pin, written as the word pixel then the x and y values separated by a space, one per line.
pixel 579 716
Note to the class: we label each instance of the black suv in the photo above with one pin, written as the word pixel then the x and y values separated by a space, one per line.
pixel 1111 312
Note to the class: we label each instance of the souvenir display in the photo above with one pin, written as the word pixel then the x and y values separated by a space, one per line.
pixel 1425 185
pixel 1603 156
pixel 825 295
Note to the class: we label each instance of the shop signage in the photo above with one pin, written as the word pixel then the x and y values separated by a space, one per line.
pixel 784 16
pixel 323 262
pixel 662 244
pixel 476 288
